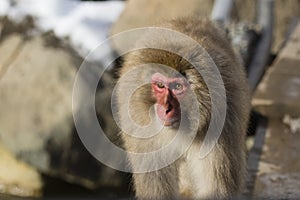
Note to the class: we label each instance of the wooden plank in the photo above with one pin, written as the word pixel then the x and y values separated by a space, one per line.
pixel 289 66
pixel 292 49
pixel 278 95
pixel 279 91
pixel 278 173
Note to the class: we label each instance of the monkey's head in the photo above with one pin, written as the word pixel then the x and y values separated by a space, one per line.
pixel 174 94
pixel 177 91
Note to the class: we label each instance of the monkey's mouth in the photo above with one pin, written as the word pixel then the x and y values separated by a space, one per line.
pixel 168 116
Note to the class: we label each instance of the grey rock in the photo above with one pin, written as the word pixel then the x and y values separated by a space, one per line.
pixel 0 30
pixel 36 123
pixel 143 13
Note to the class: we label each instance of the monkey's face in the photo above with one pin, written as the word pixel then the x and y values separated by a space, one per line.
pixel 168 92
pixel 172 92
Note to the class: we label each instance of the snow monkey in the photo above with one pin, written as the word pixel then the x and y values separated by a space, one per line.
pixel 175 100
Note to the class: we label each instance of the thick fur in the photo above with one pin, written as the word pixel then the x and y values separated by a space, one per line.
pixel 220 174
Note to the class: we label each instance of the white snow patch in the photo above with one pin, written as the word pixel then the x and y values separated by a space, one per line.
pixel 4 6
pixel 86 24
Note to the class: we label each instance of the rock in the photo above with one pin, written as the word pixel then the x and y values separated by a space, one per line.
pixel 18 178
pixel 35 93
pixel 0 30
pixel 23 27
pixel 8 49
pixel 36 121
pixel 154 12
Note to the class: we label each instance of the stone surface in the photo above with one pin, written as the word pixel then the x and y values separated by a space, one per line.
pixel 36 121
pixel 140 13
pixel 35 93
pixel 278 173
pixel 23 27
pixel 18 178
pixel 0 30
pixel 143 13
pixel 8 49
pixel 278 93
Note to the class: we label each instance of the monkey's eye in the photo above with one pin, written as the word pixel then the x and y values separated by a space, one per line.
pixel 178 86
pixel 160 85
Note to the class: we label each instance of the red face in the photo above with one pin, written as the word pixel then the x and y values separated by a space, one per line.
pixel 168 92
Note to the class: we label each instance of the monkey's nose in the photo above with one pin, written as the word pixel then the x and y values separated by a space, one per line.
pixel 170 107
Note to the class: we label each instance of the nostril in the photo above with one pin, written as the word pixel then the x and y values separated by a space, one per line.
pixel 168 110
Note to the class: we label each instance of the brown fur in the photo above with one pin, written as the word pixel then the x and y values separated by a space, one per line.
pixel 221 173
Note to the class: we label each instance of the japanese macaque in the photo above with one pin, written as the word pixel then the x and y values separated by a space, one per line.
pixel 171 100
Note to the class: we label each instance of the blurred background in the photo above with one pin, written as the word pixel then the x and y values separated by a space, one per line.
pixel 44 42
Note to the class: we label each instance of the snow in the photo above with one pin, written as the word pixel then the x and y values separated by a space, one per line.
pixel 4 6
pixel 86 24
